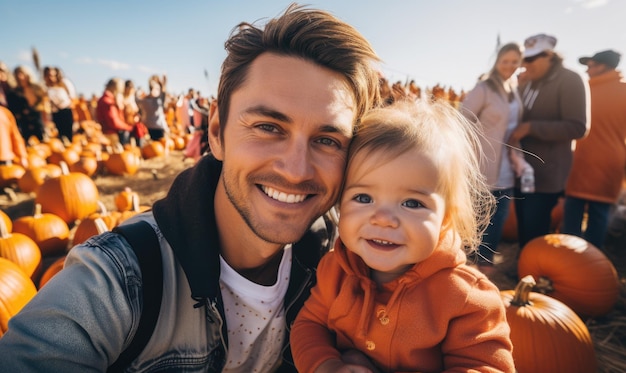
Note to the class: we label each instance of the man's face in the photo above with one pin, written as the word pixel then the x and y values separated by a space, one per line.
pixel 537 66
pixel 283 147
pixel 594 68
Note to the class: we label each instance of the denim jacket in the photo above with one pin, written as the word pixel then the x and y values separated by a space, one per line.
pixel 84 317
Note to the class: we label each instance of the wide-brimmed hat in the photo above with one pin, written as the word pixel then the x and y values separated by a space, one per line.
pixel 537 44
pixel 607 57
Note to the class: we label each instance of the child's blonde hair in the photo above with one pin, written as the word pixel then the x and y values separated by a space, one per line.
pixel 442 133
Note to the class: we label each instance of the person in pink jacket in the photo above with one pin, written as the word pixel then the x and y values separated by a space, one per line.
pixel 396 288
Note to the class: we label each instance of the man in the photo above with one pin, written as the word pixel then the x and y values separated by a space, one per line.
pixel 236 234
pixel 556 111
pixel 595 182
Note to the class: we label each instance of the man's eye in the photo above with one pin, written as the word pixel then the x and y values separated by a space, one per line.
pixel 267 127
pixel 412 203
pixel 329 142
pixel 362 198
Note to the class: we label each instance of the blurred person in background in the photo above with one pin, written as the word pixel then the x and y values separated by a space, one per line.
pixel 6 81
pixel 12 145
pixel 556 112
pixel 495 106
pixel 152 107
pixel 60 102
pixel 110 115
pixel 27 102
pixel 595 182
pixel 131 113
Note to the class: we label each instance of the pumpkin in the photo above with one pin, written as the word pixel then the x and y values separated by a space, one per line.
pixel 168 143
pixel 20 249
pixel 33 178
pixel 179 142
pixel 123 162
pixel 38 153
pixel 134 210
pixel 10 174
pixel 87 165
pixel 48 231
pixel 71 196
pixel 88 228
pixel 110 219
pixel 153 149
pixel 52 270
pixel 55 144
pixel 68 155
pixel 16 289
pixel 547 335
pixel 124 199
pixel 132 146
pixel 36 160
pixel 7 221
pixel 572 270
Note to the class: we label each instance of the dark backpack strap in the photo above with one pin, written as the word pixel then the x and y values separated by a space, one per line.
pixel 145 244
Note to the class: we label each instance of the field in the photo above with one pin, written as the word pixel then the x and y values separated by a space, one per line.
pixel 156 174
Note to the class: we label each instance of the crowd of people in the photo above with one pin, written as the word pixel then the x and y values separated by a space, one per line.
pixel 571 133
pixel 46 105
pixel 381 185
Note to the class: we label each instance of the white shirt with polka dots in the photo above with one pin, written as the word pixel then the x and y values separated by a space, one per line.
pixel 255 317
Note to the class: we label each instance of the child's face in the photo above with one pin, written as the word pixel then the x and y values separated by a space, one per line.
pixel 390 213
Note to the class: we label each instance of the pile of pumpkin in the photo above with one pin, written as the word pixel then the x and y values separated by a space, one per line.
pixel 565 281
pixel 67 208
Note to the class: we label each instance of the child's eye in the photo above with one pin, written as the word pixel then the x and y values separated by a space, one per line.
pixel 412 203
pixel 362 198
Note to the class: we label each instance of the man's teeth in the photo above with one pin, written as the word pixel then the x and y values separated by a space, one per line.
pixel 381 242
pixel 283 197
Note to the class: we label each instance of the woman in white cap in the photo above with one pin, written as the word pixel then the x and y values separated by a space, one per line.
pixel 556 112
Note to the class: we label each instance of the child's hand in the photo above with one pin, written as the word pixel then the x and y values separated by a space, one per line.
pixel 337 366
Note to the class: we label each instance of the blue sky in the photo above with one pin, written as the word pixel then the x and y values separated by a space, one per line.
pixel 447 42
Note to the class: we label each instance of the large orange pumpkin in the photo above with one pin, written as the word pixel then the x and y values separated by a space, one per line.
pixel 71 196
pixel 572 270
pixel 16 289
pixel 547 336
pixel 48 231
pixel 20 249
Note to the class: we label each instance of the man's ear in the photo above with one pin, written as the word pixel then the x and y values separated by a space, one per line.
pixel 215 134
